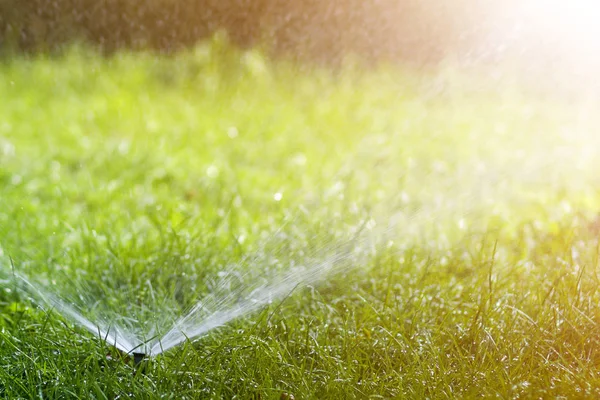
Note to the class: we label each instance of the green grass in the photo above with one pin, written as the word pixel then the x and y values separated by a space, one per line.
pixel 134 180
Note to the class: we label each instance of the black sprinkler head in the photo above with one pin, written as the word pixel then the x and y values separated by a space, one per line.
pixel 138 358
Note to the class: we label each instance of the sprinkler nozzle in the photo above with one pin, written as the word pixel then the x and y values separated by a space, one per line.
pixel 138 358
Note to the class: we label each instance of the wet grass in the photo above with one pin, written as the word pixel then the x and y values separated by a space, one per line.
pixel 133 183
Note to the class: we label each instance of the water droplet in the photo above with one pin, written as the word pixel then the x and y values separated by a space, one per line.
pixel 152 125
pixel 16 179
pixel 237 202
pixel 212 171
pixel 7 148
pixel 123 147
pixel 232 132
pixel 299 159
pixel 405 197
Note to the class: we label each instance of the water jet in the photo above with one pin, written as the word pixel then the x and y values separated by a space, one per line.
pixel 241 290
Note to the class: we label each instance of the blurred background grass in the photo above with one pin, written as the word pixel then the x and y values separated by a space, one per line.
pixel 104 157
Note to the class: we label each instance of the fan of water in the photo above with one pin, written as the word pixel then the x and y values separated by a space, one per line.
pixel 225 303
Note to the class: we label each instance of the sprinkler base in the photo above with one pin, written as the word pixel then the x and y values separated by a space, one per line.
pixel 138 358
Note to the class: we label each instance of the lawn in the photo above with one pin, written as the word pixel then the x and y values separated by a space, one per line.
pixel 446 222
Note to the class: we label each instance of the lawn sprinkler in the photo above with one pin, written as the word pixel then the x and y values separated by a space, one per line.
pixel 138 358
pixel 140 363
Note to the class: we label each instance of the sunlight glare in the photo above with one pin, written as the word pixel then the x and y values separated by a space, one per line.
pixel 573 23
